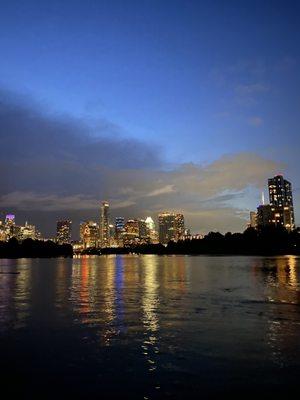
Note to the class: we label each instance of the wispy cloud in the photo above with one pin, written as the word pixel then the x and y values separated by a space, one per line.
pixel 164 190
pixel 31 201
pixel 251 89
pixel 255 121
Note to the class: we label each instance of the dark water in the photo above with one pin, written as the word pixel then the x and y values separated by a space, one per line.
pixel 148 327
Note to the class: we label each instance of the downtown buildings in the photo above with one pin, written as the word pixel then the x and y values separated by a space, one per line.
pixel 9 229
pixel 280 210
pixel 133 231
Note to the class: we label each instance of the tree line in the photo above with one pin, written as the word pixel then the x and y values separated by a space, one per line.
pixel 265 241
pixel 30 248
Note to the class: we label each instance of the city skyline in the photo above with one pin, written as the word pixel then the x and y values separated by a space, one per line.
pixel 169 226
pixel 117 104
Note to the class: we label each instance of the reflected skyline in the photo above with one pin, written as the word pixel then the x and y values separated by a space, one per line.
pixel 156 320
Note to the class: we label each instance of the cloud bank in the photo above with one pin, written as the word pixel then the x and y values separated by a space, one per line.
pixel 54 166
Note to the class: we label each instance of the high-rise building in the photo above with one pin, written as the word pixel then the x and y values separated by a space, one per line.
pixel 27 232
pixel 119 226
pixel 179 226
pixel 63 231
pixel 10 219
pixel 10 226
pixel 171 226
pixel 150 223
pixel 132 227
pixel 264 216
pixel 89 234
pixel 104 224
pixel 281 201
pixel 153 236
pixel 143 230
pixel 131 234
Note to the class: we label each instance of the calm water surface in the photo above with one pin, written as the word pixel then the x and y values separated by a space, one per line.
pixel 150 327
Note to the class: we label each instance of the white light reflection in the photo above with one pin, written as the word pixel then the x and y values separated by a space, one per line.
pixel 150 303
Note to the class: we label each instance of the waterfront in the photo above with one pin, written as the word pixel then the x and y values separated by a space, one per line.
pixel 150 326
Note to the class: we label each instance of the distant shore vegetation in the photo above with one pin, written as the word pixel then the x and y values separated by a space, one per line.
pixel 266 241
pixel 30 248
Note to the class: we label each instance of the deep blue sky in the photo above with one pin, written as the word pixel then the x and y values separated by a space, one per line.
pixel 192 81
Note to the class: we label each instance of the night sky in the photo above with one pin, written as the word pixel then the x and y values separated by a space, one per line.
pixel 153 105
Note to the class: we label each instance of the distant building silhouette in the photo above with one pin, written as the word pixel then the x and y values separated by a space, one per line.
pixel 264 216
pixel 171 227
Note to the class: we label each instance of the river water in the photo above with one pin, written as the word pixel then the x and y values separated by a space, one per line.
pixel 150 327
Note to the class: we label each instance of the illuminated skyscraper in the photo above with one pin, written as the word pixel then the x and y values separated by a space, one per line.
pixel 89 234
pixel 10 226
pixel 179 226
pixel 63 231
pixel 171 227
pixel 281 201
pixel 153 236
pixel 119 226
pixel 104 224
pixel 150 223
pixel 131 234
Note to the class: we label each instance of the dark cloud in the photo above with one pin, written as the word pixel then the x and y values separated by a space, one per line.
pixel 54 166
pixel 52 152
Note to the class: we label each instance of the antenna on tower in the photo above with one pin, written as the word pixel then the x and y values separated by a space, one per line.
pixel 263 198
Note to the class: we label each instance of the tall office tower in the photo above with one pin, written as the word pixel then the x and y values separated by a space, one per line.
pixel 131 234
pixel 63 231
pixel 10 219
pixel 89 234
pixel 153 236
pixel 10 226
pixel 171 226
pixel 119 226
pixel 264 216
pixel 104 224
pixel 132 227
pixel 150 223
pixel 143 229
pixel 179 226
pixel 165 227
pixel 281 201
pixel 253 219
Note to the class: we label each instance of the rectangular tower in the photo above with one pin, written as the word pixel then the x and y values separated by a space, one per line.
pixel 281 201
pixel 104 224
pixel 171 226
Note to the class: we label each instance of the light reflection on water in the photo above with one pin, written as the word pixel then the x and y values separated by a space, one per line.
pixel 164 321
